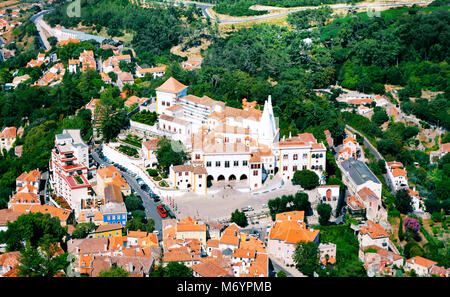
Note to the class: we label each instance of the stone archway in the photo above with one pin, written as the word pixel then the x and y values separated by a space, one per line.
pixel 243 177
pixel 232 177
pixel 221 178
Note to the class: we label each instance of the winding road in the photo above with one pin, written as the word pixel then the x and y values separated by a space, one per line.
pixel 206 13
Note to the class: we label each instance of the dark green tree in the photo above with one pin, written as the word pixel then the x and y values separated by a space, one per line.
pixel 402 201
pixel 114 271
pixel 33 228
pixel 45 260
pixel 239 218
pixel 83 229
pixel 307 179
pixel 307 257
pixel 324 210
pixel 175 269
pixel 170 152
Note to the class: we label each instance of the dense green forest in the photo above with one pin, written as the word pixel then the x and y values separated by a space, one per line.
pixel 154 30
pixel 241 7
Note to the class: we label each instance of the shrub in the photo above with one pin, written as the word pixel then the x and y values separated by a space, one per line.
pixel 152 172
pixel 157 178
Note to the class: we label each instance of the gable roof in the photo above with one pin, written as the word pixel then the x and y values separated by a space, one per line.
pixel 171 86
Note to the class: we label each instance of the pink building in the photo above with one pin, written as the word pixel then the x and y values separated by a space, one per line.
pixel 288 230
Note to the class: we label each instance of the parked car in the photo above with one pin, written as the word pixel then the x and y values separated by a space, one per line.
pixel 162 211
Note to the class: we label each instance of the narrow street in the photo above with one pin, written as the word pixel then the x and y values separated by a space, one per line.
pixel 147 201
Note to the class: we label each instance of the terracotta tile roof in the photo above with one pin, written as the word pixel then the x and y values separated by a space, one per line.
pixel 418 260
pixel 351 139
pixel 229 239
pixel 174 107
pixel 32 176
pixel 125 76
pixel 171 86
pixel 301 140
pixel 253 243
pixel 398 172
pixel 209 269
pixel 87 245
pixel 9 132
pixel 292 232
pixel 360 101
pixel 445 147
pixel 69 40
pixel 152 69
pixel 212 243
pixel 178 255
pixel 259 267
pixel 224 128
pixel 241 113
pixel 122 57
pixel 60 213
pixel 137 234
pixel 151 144
pixel 354 203
pixel 255 158
pixel 183 168
pixel 10 259
pixel 28 198
pixel 374 230
pixel 205 100
pixel 367 194
pixel 200 170
pixel 296 215
pixel 169 118
pixel 190 224
pixel 108 227
pixel 244 253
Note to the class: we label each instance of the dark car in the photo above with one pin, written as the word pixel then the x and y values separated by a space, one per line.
pixel 162 211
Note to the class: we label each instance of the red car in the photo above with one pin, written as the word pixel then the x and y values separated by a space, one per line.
pixel 162 211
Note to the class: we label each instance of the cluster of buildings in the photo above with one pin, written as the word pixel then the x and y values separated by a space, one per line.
pixel 230 144
pixel 137 252
pixel 52 76
pixel 350 149
pixel 375 251
pixel 7 138
pixel 94 195
pixel 365 191
pixel 214 250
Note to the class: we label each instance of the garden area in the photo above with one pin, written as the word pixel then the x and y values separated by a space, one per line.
pixel 158 176
pixel 145 117
pixel 129 151
pixel 133 140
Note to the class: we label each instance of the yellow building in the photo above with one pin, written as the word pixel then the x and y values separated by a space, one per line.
pixel 108 230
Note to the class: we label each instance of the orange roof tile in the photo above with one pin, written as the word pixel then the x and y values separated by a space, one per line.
pixel 374 230
pixel 421 261
pixel 171 86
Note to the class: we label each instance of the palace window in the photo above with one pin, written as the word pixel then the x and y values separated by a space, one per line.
pixel 227 164
pixel 295 157
pixel 217 163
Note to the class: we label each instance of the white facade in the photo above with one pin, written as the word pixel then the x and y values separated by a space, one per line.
pixel 69 167
pixel 329 195
pixel 233 143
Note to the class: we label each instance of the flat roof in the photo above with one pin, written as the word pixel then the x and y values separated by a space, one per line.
pixel 359 171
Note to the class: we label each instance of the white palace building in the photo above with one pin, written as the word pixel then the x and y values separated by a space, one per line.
pixel 227 143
